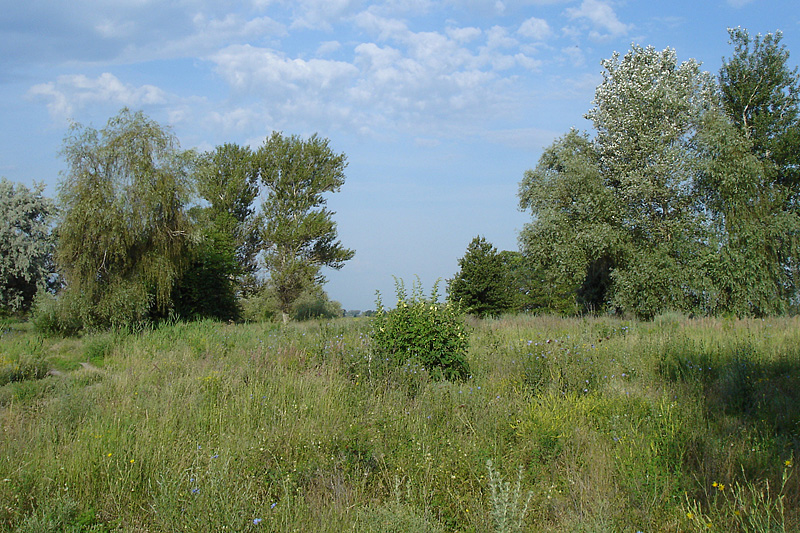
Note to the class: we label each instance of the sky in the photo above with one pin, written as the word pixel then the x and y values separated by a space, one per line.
pixel 439 106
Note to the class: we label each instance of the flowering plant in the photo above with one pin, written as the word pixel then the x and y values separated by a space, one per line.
pixel 422 331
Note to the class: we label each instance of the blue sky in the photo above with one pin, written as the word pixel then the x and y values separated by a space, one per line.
pixel 439 106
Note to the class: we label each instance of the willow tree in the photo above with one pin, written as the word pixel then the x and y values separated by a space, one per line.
pixel 123 231
pixel 575 239
pixel 299 235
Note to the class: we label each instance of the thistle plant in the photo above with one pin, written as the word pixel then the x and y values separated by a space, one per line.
pixel 507 513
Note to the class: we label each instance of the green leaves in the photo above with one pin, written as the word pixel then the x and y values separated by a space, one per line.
pixel 299 234
pixel 26 244
pixel 421 332
pixel 686 197
pixel 122 237
pixel 483 285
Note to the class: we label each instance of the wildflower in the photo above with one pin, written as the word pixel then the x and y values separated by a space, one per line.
pixel 256 521
pixel 195 490
pixel 273 505
pixel 133 460
pixel 788 463
pixel 109 454
pixel 689 515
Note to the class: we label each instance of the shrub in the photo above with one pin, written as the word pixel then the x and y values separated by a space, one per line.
pixel 423 331
pixel 56 315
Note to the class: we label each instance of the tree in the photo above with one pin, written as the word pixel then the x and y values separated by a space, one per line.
pixel 575 238
pixel 299 235
pixel 751 179
pixel 222 263
pixel 761 94
pixel 646 111
pixel 482 286
pixel 227 178
pixel 123 234
pixel 686 198
pixel 26 245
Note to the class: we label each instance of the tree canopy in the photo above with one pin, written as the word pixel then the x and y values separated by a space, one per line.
pixel 684 199
pixel 123 232
pixel 482 286
pixel 26 245
pixel 299 234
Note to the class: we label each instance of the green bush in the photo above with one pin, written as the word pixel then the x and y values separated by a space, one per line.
pixel 422 331
pixel 313 305
pixel 55 315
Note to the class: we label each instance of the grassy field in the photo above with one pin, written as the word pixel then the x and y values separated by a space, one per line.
pixel 564 425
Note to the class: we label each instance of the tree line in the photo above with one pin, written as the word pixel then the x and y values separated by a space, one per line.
pixel 142 230
pixel 685 197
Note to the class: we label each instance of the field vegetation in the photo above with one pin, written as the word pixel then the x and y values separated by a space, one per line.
pixel 563 424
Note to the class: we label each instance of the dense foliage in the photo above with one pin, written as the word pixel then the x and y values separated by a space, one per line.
pixel 483 284
pixel 123 233
pixel 149 231
pixel 422 335
pixel 298 233
pixel 685 197
pixel 26 245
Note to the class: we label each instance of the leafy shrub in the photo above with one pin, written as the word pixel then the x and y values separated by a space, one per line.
pixel 52 316
pixel 422 330
pixel 315 305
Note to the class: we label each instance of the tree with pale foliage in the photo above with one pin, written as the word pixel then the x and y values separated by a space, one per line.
pixel 26 245
pixel 123 231
pixel 686 198
pixel 299 234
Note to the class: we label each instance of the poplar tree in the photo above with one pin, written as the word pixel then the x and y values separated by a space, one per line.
pixel 298 234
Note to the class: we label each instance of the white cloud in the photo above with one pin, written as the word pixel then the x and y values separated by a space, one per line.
pixel 535 28
pixel 498 37
pixel 602 16
pixel 528 62
pixel 70 93
pixel 328 47
pixel 264 71
pixel 318 14
pixel 463 35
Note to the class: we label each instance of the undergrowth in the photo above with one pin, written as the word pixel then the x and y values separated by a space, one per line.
pixel 598 424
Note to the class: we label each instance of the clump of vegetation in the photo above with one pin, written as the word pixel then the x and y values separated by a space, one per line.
pixel 422 331
pixel 508 508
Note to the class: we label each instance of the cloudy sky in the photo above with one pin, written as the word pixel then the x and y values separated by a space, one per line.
pixel 440 106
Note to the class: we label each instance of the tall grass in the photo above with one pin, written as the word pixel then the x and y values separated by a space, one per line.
pixel 608 424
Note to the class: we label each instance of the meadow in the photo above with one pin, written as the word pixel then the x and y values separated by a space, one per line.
pixel 564 424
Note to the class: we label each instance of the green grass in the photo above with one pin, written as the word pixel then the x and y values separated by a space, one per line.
pixel 614 426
